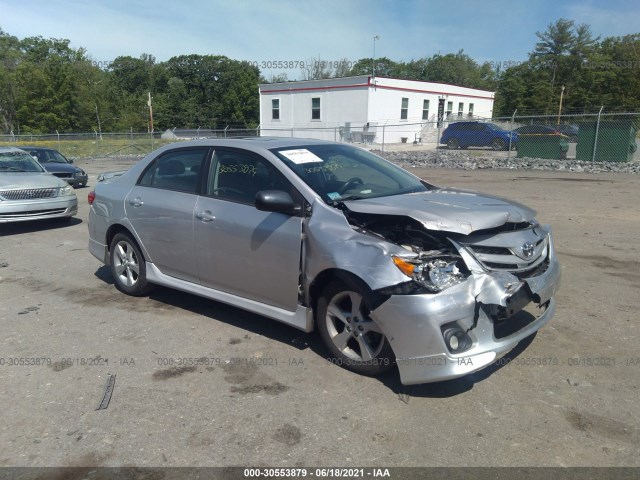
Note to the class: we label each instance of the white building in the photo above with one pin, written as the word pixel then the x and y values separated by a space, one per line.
pixel 362 108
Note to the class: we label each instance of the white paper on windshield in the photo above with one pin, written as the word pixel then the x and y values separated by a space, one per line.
pixel 300 156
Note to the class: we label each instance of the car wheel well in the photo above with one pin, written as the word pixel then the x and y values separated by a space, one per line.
pixel 324 278
pixel 116 229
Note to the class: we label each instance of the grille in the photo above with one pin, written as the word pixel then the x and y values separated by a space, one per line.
pixel 64 175
pixel 29 193
pixel 503 259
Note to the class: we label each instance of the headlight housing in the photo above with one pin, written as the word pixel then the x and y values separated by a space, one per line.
pixel 65 191
pixel 433 274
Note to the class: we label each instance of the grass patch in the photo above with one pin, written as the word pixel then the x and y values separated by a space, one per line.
pixel 95 147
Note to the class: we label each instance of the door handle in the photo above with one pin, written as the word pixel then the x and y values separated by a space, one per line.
pixel 136 202
pixel 205 216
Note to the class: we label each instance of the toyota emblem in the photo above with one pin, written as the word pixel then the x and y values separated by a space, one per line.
pixel 527 250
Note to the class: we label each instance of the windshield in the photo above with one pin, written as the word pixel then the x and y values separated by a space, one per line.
pixel 18 162
pixel 342 172
pixel 56 157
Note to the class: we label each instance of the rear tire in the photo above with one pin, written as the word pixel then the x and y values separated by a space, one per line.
pixel 453 144
pixel 128 266
pixel 354 340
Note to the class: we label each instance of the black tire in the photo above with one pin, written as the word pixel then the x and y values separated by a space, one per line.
pixel 128 266
pixel 342 317
pixel 453 144
pixel 499 144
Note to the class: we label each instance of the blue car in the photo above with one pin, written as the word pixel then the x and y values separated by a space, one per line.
pixel 59 165
pixel 478 134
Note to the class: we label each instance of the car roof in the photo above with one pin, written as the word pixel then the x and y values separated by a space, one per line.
pixel 27 147
pixel 257 142
pixel 467 123
pixel 254 144
pixel 11 149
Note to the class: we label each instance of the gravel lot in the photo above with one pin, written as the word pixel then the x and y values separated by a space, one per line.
pixel 252 392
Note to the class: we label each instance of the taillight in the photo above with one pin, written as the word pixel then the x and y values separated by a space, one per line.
pixel 91 197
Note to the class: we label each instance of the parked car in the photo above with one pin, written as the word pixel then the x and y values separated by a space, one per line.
pixel 28 192
pixel 545 132
pixel 538 130
pixel 321 235
pixel 477 134
pixel 571 131
pixel 59 165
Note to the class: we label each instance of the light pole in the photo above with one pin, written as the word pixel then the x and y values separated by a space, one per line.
pixel 373 62
pixel 150 114
pixel 560 107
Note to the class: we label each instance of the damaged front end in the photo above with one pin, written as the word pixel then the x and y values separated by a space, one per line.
pixel 450 302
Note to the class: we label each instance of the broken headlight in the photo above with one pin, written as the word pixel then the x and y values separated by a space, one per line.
pixel 434 274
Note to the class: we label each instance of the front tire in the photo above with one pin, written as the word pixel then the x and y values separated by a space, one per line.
pixel 499 144
pixel 128 266
pixel 355 341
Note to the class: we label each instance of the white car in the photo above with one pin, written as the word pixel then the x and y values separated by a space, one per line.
pixel 28 192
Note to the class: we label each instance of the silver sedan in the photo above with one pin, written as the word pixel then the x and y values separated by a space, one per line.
pixel 391 270
pixel 28 192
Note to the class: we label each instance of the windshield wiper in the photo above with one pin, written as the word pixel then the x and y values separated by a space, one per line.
pixel 340 200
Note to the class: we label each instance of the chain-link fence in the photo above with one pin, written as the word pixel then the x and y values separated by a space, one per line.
pixel 595 138
pixel 587 137
pixel 606 138
pixel 82 145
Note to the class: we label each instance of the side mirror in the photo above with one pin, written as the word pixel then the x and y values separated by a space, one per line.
pixel 69 160
pixel 276 201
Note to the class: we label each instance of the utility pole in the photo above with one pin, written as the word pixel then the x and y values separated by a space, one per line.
pixel 373 62
pixel 150 114
pixel 98 118
pixel 560 107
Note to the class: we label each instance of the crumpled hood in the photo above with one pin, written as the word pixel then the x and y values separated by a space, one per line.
pixel 447 209
pixel 19 180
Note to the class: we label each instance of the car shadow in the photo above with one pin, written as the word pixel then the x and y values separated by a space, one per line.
pixel 279 332
pixel 37 226
pixel 251 322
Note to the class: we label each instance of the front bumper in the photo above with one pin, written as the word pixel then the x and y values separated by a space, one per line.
pixel 413 323
pixel 78 180
pixel 74 180
pixel 42 209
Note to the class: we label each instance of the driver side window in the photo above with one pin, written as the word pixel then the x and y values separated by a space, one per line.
pixel 237 176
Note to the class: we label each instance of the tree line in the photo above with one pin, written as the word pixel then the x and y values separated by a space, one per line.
pixel 46 85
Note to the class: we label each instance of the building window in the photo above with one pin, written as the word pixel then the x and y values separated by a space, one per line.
pixel 449 109
pixel 471 110
pixel 404 110
pixel 275 109
pixel 460 109
pixel 425 109
pixel 315 108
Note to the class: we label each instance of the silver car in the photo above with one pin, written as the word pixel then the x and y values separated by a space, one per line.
pixel 319 235
pixel 28 192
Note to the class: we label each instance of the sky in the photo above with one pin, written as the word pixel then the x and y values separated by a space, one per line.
pixel 293 31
